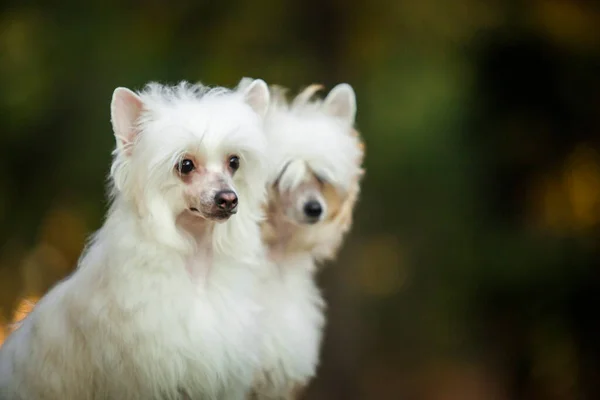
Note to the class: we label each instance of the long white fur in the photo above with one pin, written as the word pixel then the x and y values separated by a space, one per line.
pixel 130 323
pixel 305 137
pixel 311 131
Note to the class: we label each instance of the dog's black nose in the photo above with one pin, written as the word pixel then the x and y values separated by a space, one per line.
pixel 226 200
pixel 313 209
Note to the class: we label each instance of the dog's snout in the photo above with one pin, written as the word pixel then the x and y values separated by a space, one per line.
pixel 226 200
pixel 313 209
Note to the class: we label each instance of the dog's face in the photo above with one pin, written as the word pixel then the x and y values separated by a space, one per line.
pixel 311 200
pixel 315 181
pixel 208 188
pixel 188 151
pixel 309 213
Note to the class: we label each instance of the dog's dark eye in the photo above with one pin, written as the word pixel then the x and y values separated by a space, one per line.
pixel 185 166
pixel 320 179
pixel 234 163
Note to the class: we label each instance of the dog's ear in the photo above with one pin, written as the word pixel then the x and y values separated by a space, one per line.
pixel 244 83
pixel 256 94
pixel 125 109
pixel 341 102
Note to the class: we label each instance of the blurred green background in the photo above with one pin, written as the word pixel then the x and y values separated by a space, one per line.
pixel 472 269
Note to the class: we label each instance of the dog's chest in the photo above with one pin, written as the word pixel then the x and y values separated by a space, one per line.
pixel 225 310
pixel 196 333
pixel 198 266
pixel 294 328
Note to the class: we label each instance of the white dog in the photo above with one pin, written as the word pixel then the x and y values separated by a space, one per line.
pixel 163 302
pixel 315 160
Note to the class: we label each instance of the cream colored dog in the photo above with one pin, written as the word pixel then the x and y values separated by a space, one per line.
pixel 315 158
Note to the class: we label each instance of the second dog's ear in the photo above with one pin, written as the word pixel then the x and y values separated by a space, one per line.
pixel 256 94
pixel 125 109
pixel 341 102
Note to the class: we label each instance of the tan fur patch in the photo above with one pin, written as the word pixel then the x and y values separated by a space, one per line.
pixel 268 231
pixel 333 199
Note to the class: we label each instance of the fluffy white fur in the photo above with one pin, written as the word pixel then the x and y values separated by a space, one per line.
pixel 307 139
pixel 158 309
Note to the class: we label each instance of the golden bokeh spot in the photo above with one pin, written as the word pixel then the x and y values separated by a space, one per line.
pixel 2 330
pixel 582 184
pixel 565 21
pixel 18 36
pixel 66 231
pixel 24 307
pixel 549 205
pixel 381 271
pixel 569 201
pixel 42 267
pixel 21 311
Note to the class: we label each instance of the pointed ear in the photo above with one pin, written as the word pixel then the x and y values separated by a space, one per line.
pixel 244 83
pixel 125 109
pixel 256 94
pixel 341 102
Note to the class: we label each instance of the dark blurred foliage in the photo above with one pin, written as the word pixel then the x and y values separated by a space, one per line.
pixel 472 269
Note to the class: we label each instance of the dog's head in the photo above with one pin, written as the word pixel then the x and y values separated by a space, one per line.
pixel 190 153
pixel 316 158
